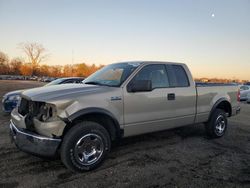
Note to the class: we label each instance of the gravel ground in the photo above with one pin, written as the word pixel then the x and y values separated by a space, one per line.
pixel 182 157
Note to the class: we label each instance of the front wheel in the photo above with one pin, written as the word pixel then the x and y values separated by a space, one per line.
pixel 85 146
pixel 217 125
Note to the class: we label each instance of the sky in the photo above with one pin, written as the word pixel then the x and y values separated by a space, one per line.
pixel 212 37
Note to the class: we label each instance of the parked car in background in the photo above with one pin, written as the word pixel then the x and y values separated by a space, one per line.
pixel 68 80
pixel 244 91
pixel 34 78
pixel 11 99
pixel 248 98
pixel 247 83
pixel 48 79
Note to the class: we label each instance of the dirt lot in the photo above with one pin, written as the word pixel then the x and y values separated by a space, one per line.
pixel 182 157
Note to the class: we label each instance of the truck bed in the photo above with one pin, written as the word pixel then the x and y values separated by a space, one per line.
pixel 209 93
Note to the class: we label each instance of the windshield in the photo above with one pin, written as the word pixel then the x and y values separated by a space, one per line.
pixel 112 75
pixel 55 82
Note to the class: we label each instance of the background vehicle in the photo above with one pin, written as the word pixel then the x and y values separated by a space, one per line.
pixel 120 100
pixel 244 91
pixel 11 99
pixel 48 79
pixel 68 80
pixel 248 97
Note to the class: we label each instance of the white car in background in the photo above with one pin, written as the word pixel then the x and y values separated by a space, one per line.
pixel 248 98
pixel 244 91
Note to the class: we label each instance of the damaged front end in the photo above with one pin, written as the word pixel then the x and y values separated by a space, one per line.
pixel 35 128
pixel 40 117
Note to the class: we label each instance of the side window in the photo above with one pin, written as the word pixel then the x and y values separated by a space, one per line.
pixel 177 76
pixel 244 88
pixel 156 73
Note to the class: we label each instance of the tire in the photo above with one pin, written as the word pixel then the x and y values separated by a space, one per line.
pixel 85 146
pixel 217 125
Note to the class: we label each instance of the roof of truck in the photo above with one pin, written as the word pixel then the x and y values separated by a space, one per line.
pixel 152 62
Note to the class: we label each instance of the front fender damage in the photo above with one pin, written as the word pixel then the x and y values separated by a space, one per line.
pixel 51 129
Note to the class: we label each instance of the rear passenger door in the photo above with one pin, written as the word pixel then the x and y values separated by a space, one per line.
pixel 171 103
pixel 183 87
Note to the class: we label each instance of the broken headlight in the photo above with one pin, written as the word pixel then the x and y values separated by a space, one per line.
pixel 46 112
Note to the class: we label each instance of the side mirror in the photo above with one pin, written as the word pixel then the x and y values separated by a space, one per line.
pixel 140 86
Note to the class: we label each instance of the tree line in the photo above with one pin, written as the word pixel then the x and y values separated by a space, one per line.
pixel 36 54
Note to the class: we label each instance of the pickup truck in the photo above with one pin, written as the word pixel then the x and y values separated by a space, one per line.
pixel 79 122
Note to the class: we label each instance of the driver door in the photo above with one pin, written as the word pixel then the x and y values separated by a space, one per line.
pixel 162 108
pixel 143 109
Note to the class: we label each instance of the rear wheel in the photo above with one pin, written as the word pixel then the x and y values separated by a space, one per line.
pixel 85 146
pixel 217 125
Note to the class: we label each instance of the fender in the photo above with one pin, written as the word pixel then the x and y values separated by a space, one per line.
pixel 91 110
pixel 216 105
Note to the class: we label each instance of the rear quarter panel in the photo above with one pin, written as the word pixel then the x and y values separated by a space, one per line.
pixel 207 96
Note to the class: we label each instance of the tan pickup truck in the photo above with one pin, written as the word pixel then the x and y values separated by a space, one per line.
pixel 80 121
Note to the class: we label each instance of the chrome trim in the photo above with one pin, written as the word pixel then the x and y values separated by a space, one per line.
pixel 33 143
pixel 87 150
pixel 220 125
pixel 12 125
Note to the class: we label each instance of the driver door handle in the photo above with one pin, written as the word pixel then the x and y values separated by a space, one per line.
pixel 171 96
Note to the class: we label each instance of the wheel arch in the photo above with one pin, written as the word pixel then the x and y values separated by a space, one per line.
pixel 98 115
pixel 222 104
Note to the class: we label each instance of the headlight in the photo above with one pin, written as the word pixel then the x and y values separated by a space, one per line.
pixel 47 111
pixel 14 98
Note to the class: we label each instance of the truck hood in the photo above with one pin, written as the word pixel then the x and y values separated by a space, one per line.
pixel 60 92
pixel 17 92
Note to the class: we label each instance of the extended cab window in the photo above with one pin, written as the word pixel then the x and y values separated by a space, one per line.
pixel 156 73
pixel 177 76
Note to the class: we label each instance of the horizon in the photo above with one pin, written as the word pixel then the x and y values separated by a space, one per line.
pixel 211 37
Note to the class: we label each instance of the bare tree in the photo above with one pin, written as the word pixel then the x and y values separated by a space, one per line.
pixel 4 63
pixel 35 52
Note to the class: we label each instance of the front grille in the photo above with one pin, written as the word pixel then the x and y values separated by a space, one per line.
pixel 30 109
pixel 23 108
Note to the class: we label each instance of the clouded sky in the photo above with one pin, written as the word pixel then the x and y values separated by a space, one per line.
pixel 211 36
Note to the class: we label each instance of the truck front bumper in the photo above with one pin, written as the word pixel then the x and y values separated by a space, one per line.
pixel 30 142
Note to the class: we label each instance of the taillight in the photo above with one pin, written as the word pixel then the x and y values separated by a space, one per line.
pixel 238 96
